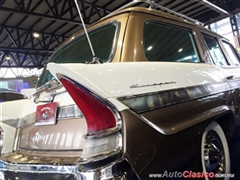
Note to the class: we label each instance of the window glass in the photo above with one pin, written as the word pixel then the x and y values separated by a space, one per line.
pixel 232 53
pixel 215 50
pixel 167 43
pixel 78 50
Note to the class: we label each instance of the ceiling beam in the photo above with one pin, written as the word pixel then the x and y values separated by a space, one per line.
pixel 22 42
pixel 71 21
pixel 13 49
pixel 29 59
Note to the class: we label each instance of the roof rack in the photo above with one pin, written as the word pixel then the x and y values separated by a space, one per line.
pixel 153 5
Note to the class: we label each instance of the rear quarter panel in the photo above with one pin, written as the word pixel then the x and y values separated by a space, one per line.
pixel 60 139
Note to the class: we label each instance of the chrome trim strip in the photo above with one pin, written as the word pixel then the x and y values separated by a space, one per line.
pixel 39 168
pixel 102 155
pixel 51 150
pixel 153 84
pixel 154 5
pixel 102 173
pixel 105 172
pixel 1 139
pixel 150 101
pixel 234 84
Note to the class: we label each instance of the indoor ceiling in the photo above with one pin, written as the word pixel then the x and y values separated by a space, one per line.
pixel 56 20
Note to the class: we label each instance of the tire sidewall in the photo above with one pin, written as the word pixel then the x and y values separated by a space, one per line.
pixel 214 126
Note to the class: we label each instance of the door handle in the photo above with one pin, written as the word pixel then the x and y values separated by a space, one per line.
pixel 229 77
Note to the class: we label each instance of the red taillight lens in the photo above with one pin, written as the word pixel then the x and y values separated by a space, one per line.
pixel 97 114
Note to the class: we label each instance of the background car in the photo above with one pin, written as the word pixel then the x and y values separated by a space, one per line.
pixel 10 95
pixel 12 106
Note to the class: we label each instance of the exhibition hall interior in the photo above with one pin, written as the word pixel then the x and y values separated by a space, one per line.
pixel 119 89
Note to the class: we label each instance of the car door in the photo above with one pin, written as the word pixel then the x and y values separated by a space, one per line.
pixel 233 74
pixel 224 56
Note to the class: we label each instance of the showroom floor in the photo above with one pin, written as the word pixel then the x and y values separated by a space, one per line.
pixel 234 146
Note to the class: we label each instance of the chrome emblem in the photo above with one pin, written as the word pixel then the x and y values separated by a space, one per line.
pixel 154 84
pixel 45 115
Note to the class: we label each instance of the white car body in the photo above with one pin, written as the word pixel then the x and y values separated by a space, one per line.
pixel 13 114
pixel 180 74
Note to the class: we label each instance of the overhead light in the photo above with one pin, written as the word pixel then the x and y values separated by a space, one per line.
pixel 72 37
pixel 180 50
pixel 149 48
pixel 36 35
pixel 8 58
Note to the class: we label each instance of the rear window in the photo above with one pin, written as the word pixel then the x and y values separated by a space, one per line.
pixel 169 43
pixel 78 50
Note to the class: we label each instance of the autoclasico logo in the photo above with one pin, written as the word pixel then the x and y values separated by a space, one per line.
pixel 190 174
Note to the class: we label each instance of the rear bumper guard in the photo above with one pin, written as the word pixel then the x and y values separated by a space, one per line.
pixel 9 170
pixel 38 168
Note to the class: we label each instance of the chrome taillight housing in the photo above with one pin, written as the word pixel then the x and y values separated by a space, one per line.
pixel 1 138
pixel 103 138
pixel 97 148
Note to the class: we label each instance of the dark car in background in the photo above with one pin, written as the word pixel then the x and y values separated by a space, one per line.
pixel 10 95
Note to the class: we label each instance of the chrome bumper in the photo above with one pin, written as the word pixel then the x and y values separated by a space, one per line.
pixel 57 172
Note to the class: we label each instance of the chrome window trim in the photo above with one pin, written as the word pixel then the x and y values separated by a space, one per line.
pixel 221 49
pixel 78 36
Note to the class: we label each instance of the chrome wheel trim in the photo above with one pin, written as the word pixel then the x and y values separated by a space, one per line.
pixel 214 150
pixel 214 153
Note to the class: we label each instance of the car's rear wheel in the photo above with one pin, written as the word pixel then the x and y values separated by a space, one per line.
pixel 215 156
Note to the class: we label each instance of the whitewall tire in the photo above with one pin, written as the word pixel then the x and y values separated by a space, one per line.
pixel 215 156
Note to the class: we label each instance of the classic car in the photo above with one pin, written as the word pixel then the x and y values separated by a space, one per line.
pixel 161 95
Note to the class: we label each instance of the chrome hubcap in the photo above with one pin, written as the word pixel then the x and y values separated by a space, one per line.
pixel 214 153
